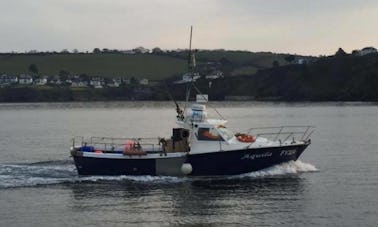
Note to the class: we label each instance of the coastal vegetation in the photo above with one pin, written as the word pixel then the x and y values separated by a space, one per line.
pixel 335 78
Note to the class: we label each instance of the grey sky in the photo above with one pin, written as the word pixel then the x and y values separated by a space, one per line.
pixel 313 27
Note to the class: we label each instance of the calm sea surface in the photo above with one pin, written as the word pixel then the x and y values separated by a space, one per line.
pixel 335 182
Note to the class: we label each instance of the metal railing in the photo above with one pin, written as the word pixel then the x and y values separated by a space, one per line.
pixel 283 133
pixel 150 145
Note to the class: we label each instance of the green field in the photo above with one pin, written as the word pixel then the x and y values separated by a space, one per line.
pixel 241 71
pixel 150 66
pixel 240 58
pixel 106 65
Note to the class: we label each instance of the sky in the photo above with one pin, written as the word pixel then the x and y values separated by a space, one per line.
pixel 307 27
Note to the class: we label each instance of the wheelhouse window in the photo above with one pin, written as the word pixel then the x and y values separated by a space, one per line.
pixel 209 134
pixel 226 133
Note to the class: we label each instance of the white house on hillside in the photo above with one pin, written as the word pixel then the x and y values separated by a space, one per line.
pixel 188 77
pixel 40 81
pixel 143 81
pixel 114 83
pixel 214 75
pixel 6 80
pixel 77 82
pixel 25 79
pixel 97 82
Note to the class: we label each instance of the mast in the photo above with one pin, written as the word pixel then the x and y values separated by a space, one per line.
pixel 191 67
pixel 191 63
pixel 190 40
pixel 189 86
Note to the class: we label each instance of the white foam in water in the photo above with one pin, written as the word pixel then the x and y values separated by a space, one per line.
pixel 13 175
pixel 32 175
pixel 291 167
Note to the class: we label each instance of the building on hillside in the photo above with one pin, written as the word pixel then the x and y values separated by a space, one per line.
pixel 214 75
pixel 40 81
pixel 55 80
pixel 97 82
pixel 188 77
pixel 77 82
pixel 25 79
pixel 118 80
pixel 8 80
pixel 113 83
pixel 143 81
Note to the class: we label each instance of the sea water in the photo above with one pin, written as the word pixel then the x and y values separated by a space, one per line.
pixel 334 182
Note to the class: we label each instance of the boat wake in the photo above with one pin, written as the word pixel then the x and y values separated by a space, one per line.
pixel 60 172
pixel 41 173
pixel 63 172
pixel 291 167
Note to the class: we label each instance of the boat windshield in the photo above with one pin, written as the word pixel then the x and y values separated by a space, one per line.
pixel 209 134
pixel 226 134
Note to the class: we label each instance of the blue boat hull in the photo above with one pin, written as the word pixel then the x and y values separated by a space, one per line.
pixel 242 161
pixel 206 164
pixel 106 166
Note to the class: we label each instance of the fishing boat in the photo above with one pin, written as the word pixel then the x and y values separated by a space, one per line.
pixel 198 146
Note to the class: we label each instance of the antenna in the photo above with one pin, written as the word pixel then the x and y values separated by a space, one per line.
pixel 180 113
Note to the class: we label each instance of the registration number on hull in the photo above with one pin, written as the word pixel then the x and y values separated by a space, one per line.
pixel 288 152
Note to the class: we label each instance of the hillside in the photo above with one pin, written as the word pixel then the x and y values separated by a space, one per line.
pixel 337 78
pixel 105 65
pixel 150 66
pixel 235 63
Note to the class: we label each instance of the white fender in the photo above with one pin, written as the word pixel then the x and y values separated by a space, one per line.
pixel 186 168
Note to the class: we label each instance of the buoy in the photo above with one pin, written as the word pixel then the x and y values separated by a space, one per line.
pixel 128 145
pixel 186 168
pixel 246 138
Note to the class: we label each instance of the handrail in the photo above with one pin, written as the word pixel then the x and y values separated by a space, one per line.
pixel 284 126
pixel 112 139
pixel 304 131
pixel 111 143
pixel 79 138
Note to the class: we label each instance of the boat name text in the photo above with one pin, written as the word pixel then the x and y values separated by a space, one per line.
pixel 256 156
